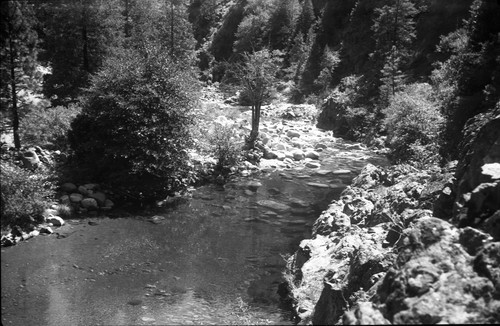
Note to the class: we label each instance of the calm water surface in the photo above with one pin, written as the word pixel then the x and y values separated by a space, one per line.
pixel 216 259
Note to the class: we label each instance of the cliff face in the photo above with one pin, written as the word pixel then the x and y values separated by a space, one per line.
pixel 379 254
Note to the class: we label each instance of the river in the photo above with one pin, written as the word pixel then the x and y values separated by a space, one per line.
pixel 217 258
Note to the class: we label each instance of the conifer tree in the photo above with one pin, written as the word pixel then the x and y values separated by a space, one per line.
pixel 281 24
pixel 18 54
pixel 394 32
pixel 306 18
pixel 77 36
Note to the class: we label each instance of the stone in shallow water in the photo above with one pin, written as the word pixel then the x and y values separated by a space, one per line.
pixel 341 171
pixel 312 155
pixel 318 185
pixel 295 202
pixel 253 185
pixel 313 165
pixel 135 302
pixel 273 205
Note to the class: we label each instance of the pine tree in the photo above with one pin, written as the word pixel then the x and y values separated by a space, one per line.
pixel 162 23
pixel 77 36
pixel 394 32
pixel 281 24
pixel 18 53
pixel 329 61
pixel 306 18
pixel 176 32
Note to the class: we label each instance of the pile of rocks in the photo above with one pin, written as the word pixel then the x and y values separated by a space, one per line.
pixel 85 198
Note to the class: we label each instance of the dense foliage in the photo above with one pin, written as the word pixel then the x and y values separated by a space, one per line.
pixel 24 194
pixel 48 127
pixel 413 123
pixel 133 131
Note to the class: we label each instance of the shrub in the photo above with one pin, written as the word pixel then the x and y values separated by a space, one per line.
pixel 24 195
pixel 48 127
pixel 225 147
pixel 413 123
pixel 133 131
pixel 64 211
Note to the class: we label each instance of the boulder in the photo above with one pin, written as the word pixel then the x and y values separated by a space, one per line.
pixel 69 187
pixel 91 186
pixel 293 133
pixel 100 197
pixel 270 155
pixel 55 220
pixel 313 165
pixel 369 177
pixel 332 219
pixel 358 209
pixel 281 147
pixel 280 156
pixel 75 197
pixel 298 155
pixel 320 146
pixel 273 205
pixel 30 159
pixel 492 225
pixel 46 230
pixel 295 202
pixel 312 155
pixel 90 204
pixel 318 185
pixel 83 190
pixel 34 233
pixel 473 240
pixel 49 212
pixel 364 314
pixel 254 185
pixel 487 264
pixel 7 240
pixel 108 204
pixel 341 171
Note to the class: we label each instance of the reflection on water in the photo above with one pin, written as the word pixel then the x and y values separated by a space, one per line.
pixel 216 259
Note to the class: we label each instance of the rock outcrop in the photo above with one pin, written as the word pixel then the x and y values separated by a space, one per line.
pixel 379 256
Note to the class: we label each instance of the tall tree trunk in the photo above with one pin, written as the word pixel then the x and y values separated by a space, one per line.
pixel 171 28
pixel 255 125
pixel 15 115
pixel 85 49
pixel 127 23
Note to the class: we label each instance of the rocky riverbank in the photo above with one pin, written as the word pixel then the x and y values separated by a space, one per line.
pixel 381 255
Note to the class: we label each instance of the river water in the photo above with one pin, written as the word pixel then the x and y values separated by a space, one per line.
pixel 215 259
